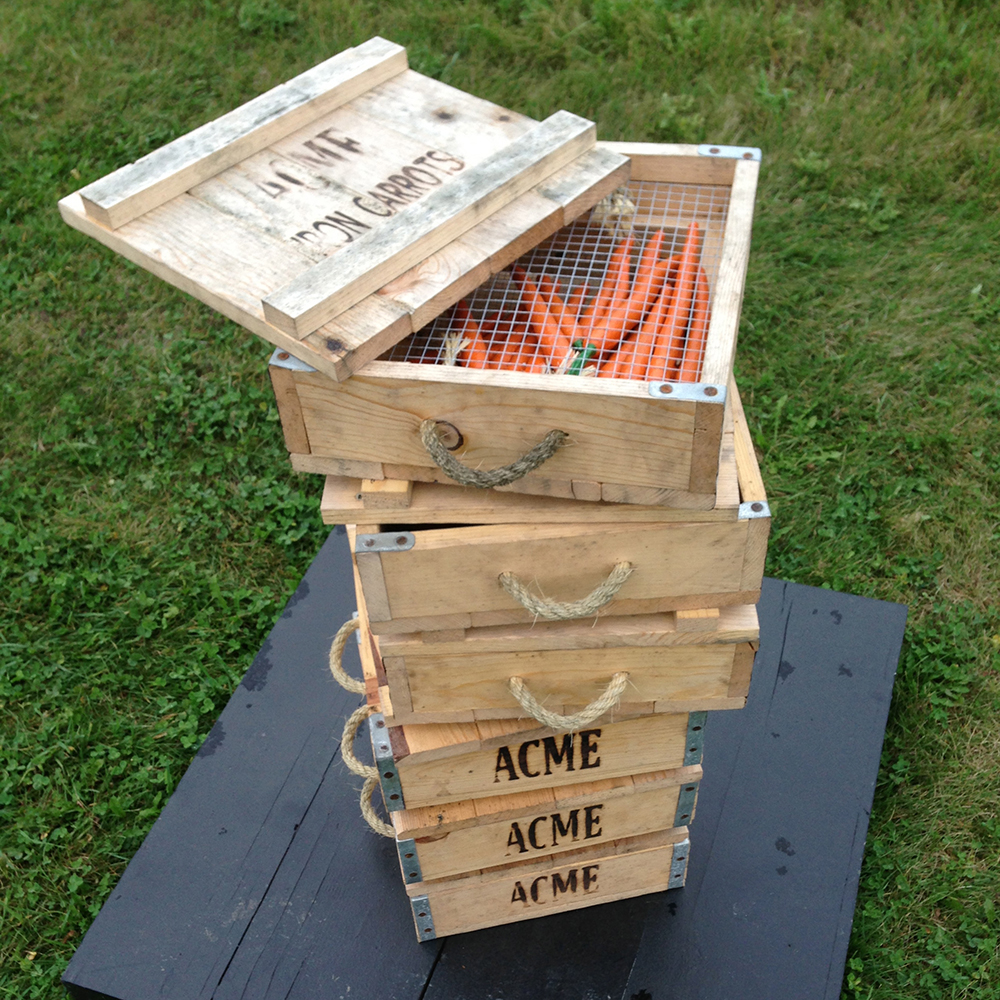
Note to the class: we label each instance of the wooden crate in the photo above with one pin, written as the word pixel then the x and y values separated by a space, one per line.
pixel 460 837
pixel 676 662
pixel 428 764
pixel 418 579
pixel 433 763
pixel 348 501
pixel 632 440
pixel 633 866
pixel 344 209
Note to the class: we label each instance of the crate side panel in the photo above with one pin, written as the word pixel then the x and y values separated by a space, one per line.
pixel 508 763
pixel 451 570
pixel 596 819
pixel 367 417
pixel 590 878
pixel 568 679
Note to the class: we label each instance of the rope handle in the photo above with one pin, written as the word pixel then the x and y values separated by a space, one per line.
pixel 564 611
pixel 368 810
pixel 366 771
pixel 607 700
pixel 487 478
pixel 345 680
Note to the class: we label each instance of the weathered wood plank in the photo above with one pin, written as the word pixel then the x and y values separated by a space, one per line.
pixel 727 295
pixel 674 163
pixel 454 570
pixel 329 287
pixel 385 494
pixel 750 480
pixel 139 187
pixel 507 829
pixel 442 117
pixel 378 412
pixel 729 625
pixel 629 867
pixel 286 396
pixel 181 243
pixel 565 680
pixel 515 760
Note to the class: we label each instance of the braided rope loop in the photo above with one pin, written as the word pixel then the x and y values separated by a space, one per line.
pixel 361 769
pixel 564 611
pixel 607 700
pixel 337 654
pixel 488 478
pixel 368 810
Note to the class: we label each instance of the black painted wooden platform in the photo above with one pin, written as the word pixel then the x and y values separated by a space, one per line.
pixel 260 881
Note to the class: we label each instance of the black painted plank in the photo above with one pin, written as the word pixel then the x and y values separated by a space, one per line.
pixel 212 891
pixel 324 909
pixel 777 842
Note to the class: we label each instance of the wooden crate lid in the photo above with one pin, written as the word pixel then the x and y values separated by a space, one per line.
pixel 339 212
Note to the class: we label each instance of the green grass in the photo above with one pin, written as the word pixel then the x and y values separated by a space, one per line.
pixel 150 529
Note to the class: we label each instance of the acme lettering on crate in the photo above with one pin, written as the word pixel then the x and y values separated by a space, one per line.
pixel 584 878
pixel 561 756
pixel 534 833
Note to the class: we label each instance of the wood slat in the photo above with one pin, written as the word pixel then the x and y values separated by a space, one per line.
pixel 727 296
pixel 479 769
pixel 171 170
pixel 629 867
pixel 329 287
pixel 512 828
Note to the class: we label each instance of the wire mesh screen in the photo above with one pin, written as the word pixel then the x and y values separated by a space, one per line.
pixel 623 292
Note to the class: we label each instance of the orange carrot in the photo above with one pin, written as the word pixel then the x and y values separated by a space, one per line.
pixel 562 315
pixel 599 306
pixel 694 347
pixel 641 300
pixel 475 353
pixel 576 298
pixel 650 274
pixel 619 364
pixel 648 334
pixel 556 346
pixel 615 293
pixel 668 351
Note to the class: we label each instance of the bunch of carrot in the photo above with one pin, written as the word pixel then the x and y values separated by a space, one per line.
pixel 650 324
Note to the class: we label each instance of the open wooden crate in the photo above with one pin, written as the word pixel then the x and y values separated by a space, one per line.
pixel 633 439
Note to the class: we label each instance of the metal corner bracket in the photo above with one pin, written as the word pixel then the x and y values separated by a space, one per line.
pixel 422 918
pixel 685 803
pixel 409 861
pixel 754 508
pixel 385 541
pixel 282 359
pixel 729 152
pixel 695 738
pixel 678 864
pixel 392 790
pixel 688 392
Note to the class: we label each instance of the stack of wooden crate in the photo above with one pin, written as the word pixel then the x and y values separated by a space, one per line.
pixel 500 817
pixel 539 654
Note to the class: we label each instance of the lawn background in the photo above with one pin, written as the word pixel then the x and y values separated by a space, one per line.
pixel 150 529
